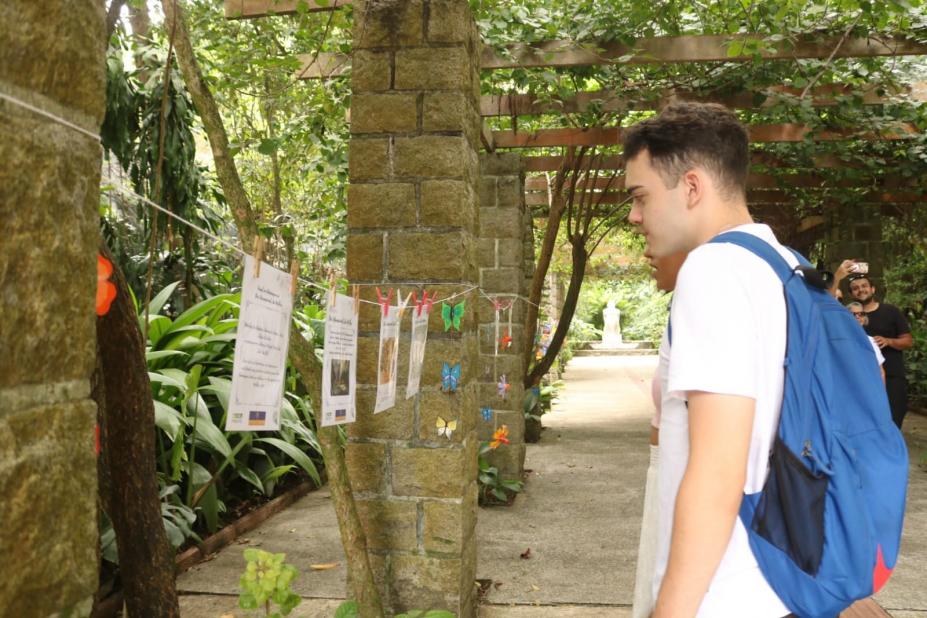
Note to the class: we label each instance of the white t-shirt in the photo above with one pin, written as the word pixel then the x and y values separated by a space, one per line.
pixel 728 337
pixel 878 352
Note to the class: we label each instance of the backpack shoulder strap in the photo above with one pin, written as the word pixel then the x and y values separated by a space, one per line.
pixel 761 249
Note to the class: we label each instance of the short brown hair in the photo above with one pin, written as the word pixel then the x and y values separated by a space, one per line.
pixel 687 134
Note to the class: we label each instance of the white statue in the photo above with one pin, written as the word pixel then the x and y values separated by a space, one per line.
pixel 611 335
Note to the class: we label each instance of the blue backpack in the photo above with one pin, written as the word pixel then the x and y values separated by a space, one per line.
pixel 826 528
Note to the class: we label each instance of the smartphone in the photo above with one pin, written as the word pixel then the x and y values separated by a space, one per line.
pixel 861 268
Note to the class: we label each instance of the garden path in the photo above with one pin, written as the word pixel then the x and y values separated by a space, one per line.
pixel 579 515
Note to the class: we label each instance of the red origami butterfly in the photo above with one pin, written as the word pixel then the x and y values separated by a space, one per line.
pixel 106 290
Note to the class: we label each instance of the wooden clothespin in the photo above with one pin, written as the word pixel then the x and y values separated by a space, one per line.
pixel 355 290
pixel 429 302
pixel 385 301
pixel 404 303
pixel 294 277
pixel 258 254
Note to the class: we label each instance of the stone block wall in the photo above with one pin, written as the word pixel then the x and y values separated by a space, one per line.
pixel 855 231
pixel 412 218
pixel 52 57
pixel 502 263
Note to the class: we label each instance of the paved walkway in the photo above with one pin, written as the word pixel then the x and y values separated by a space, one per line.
pixel 579 516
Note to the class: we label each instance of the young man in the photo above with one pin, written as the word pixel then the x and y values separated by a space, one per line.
pixel 889 329
pixel 686 172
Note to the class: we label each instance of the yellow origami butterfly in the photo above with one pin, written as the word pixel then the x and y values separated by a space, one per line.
pixel 445 428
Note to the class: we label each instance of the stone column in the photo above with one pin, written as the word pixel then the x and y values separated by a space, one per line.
pixel 412 217
pixel 502 270
pixel 855 231
pixel 52 57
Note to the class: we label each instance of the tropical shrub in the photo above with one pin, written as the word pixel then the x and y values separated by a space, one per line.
pixel 202 469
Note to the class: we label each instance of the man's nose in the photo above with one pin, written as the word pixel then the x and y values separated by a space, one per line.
pixel 634 215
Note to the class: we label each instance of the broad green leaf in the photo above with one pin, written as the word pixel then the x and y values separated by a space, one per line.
pixel 157 303
pixel 159 354
pixel 161 378
pixel 168 419
pixel 250 476
pixel 157 326
pixel 295 454
pixel 199 310
pixel 221 388
pixel 208 434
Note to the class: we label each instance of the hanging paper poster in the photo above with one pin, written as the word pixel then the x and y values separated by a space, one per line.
pixel 260 349
pixel 339 362
pixel 417 349
pixel 388 362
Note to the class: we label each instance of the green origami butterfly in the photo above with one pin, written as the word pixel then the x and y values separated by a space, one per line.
pixel 452 315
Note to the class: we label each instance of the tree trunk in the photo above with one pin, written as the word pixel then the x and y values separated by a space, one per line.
pixel 112 17
pixel 301 352
pixel 146 560
pixel 555 215
pixel 580 257
pixel 206 106
pixel 269 107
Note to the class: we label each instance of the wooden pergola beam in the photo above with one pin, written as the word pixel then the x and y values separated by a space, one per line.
pixel 611 136
pixel 774 196
pixel 754 181
pixel 660 50
pixel 552 163
pixel 692 48
pixel 617 101
pixel 250 9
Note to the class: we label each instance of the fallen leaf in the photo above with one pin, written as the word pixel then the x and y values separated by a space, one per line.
pixel 497 585
pixel 323 567
pixel 534 588
pixel 243 541
pixel 526 554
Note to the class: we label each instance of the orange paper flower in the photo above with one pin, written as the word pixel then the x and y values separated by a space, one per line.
pixel 500 437
pixel 106 291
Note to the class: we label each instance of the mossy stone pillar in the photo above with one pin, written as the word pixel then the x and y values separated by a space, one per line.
pixel 502 271
pixel 412 218
pixel 854 231
pixel 52 57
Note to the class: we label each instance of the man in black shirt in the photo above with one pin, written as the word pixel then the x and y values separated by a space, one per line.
pixel 889 328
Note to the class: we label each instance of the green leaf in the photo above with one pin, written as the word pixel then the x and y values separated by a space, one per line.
pixel 159 354
pixel 161 378
pixel 202 308
pixel 157 303
pixel 221 388
pixel 208 434
pixel 168 419
pixel 348 609
pixel 250 476
pixel 296 455
pixel 157 326
pixel 268 146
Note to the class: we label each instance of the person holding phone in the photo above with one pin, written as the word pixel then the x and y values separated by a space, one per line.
pixel 889 329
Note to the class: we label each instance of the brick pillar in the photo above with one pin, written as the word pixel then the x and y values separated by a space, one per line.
pixel 52 57
pixel 412 217
pixel 502 270
pixel 855 231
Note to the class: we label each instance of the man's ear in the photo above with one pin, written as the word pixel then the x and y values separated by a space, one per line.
pixel 693 182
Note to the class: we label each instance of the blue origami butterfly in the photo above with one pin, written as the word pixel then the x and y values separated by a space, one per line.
pixel 450 377
pixel 487 414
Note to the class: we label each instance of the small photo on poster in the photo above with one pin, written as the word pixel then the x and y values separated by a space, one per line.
pixel 340 377
pixel 387 354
